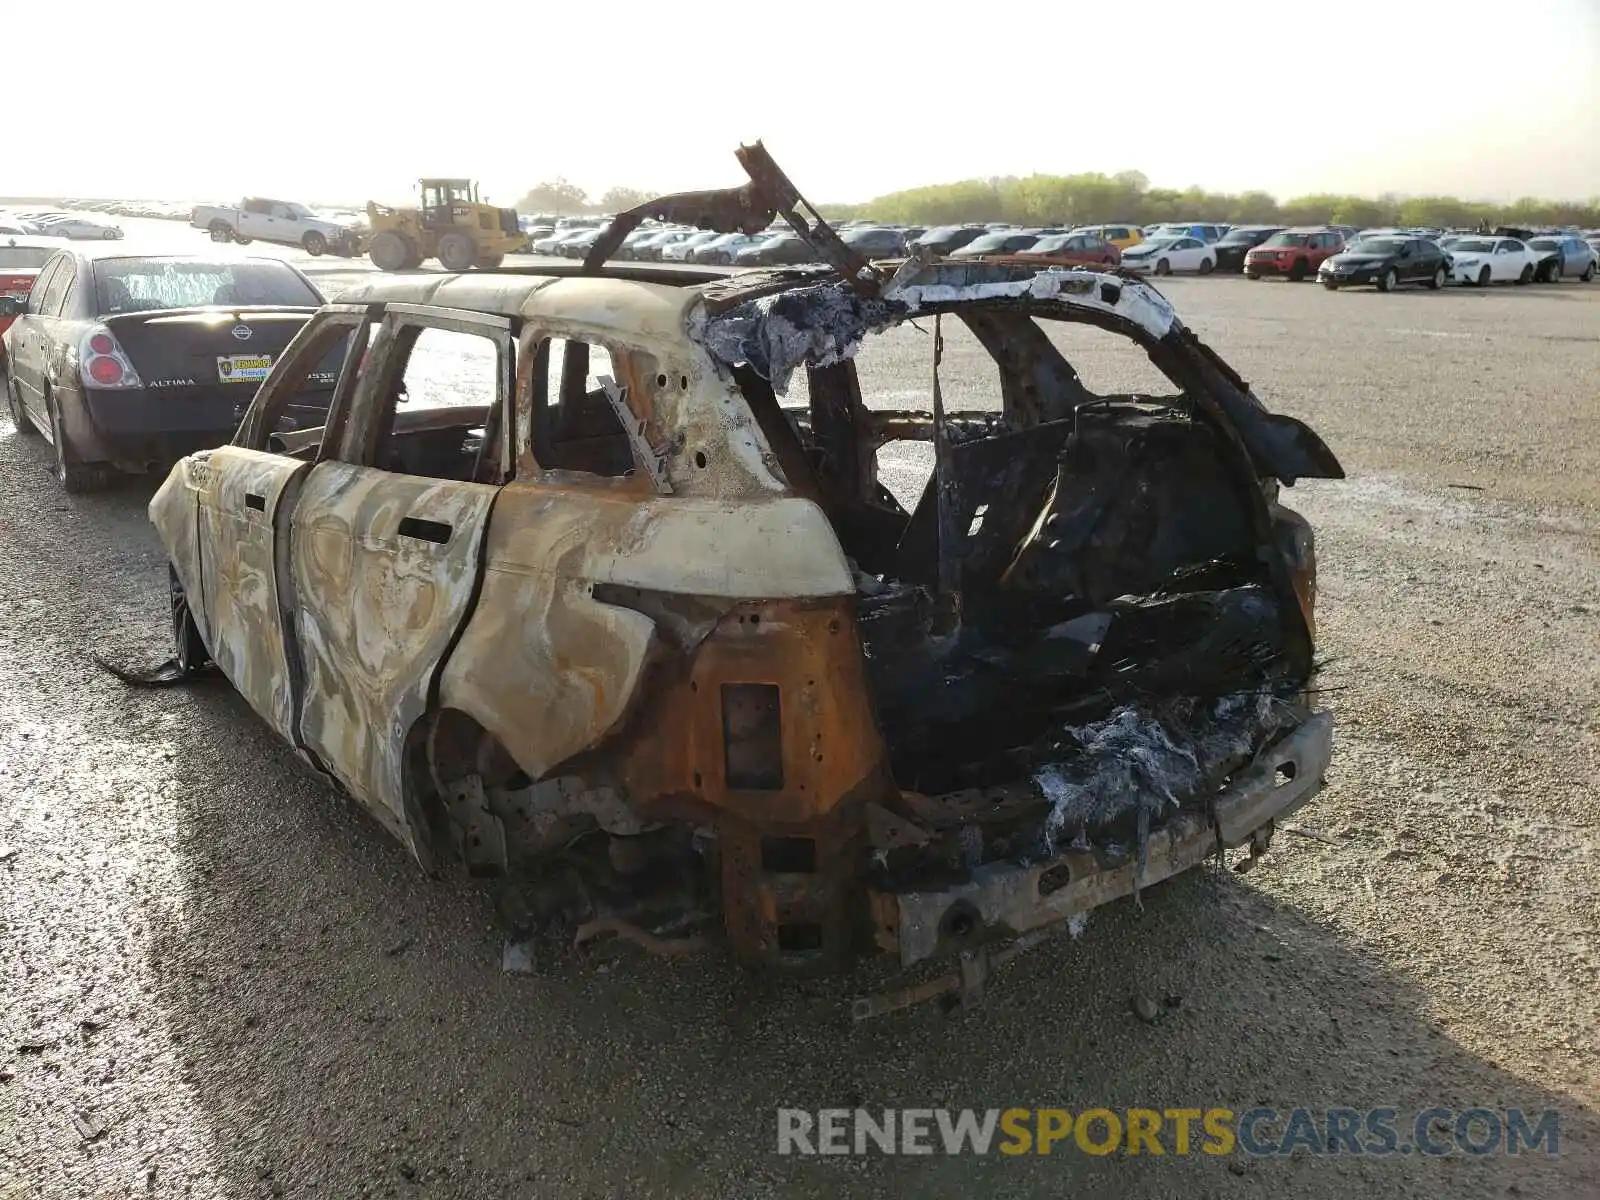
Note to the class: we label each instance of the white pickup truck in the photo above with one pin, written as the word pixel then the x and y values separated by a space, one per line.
pixel 281 221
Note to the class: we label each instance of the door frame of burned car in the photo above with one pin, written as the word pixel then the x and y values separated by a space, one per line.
pixel 326 584
pixel 672 667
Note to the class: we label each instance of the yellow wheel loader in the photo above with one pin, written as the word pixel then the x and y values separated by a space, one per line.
pixel 452 225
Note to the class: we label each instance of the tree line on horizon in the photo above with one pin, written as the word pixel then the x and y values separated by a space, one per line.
pixel 1093 198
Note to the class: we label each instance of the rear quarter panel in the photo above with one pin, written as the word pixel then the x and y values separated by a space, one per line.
pixel 550 670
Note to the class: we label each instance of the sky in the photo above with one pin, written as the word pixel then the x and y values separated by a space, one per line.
pixel 334 101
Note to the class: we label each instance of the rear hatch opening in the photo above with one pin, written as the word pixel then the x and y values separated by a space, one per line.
pixel 1092 615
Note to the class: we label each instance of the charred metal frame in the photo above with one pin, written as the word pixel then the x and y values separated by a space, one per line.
pixel 746 209
pixel 602 678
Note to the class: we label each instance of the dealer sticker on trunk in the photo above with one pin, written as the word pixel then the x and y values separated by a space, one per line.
pixel 243 368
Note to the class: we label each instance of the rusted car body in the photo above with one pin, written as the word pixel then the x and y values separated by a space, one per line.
pixel 687 657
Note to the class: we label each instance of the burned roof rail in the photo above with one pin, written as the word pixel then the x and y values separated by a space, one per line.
pixel 725 210
pixel 804 219
pixel 747 209
pixel 663 273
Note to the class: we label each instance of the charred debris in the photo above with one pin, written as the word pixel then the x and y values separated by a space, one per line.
pixel 1096 612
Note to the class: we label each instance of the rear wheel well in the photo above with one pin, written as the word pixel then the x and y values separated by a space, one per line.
pixel 443 746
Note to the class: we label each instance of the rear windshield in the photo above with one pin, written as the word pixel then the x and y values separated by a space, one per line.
pixel 24 256
pixel 143 284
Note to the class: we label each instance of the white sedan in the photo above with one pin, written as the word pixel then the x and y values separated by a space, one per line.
pixel 1481 261
pixel 79 228
pixel 1164 255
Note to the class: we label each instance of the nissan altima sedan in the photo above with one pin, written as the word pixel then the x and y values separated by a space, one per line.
pixel 127 363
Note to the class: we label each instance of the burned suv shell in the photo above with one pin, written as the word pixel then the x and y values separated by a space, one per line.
pixel 736 674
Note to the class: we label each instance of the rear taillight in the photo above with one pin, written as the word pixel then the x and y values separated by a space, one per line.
pixel 102 363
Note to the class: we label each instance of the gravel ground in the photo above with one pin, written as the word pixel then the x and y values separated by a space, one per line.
pixel 221 980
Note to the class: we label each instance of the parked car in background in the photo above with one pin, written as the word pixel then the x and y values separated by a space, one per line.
pixel 1072 250
pixel 80 228
pixel 780 249
pixel 1164 254
pixel 1563 256
pixel 944 239
pixel 578 244
pixel 875 242
pixel 720 250
pixel 1386 263
pixel 998 241
pixel 130 362
pixel 552 243
pixel 1484 260
pixel 631 243
pixel 1239 241
pixel 1293 253
pixel 20 260
pixel 682 251
pixel 282 222
pixel 1119 235
pixel 649 249
pixel 10 228
pixel 1204 231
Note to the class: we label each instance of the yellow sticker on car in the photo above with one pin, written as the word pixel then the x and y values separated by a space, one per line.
pixel 243 368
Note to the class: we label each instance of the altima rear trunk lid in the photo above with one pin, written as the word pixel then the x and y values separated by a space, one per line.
pixel 206 349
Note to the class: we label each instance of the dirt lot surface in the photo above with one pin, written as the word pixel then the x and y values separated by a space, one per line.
pixel 220 980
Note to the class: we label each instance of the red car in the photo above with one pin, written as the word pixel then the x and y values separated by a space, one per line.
pixel 20 260
pixel 1295 253
pixel 1072 250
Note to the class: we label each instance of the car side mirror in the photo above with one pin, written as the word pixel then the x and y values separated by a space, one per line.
pixel 12 306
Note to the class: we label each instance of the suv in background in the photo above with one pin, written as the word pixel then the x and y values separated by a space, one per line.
pixel 1294 253
pixel 1238 242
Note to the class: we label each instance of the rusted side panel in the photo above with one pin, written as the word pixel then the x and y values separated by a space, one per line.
pixel 377 607
pixel 544 668
pixel 239 579
pixel 550 670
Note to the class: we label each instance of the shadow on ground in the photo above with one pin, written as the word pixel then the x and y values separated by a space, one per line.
pixel 350 1031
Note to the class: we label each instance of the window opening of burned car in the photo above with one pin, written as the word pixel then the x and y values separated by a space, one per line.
pixel 437 418
pixel 1122 646
pixel 590 409
pixel 294 420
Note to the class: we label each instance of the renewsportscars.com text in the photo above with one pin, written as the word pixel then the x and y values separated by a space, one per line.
pixel 1372 1132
